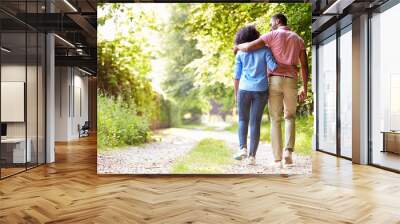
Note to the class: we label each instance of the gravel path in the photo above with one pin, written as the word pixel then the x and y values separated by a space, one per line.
pixel 152 158
pixel 158 157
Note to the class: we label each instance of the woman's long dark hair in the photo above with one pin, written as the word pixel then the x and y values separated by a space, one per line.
pixel 246 34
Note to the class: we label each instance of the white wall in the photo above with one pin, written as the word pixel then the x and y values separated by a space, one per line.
pixel 62 82
pixel 80 103
pixel 70 83
pixel 12 73
pixel 33 126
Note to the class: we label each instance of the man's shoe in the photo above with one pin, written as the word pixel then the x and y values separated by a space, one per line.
pixel 241 154
pixel 251 161
pixel 288 157
pixel 276 164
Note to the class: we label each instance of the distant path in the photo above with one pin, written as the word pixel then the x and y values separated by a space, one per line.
pixel 158 157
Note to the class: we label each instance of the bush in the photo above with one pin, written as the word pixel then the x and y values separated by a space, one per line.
pixel 170 114
pixel 123 68
pixel 119 125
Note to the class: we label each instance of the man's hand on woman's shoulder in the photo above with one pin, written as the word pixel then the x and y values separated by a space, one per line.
pixel 249 46
pixel 235 49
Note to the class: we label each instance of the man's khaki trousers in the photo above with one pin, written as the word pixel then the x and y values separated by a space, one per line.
pixel 282 99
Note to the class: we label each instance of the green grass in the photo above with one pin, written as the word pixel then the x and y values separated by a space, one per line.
pixel 208 156
pixel 304 132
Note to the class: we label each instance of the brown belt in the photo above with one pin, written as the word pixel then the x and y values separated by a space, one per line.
pixel 284 76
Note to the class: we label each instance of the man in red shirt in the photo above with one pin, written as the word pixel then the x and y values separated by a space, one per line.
pixel 288 48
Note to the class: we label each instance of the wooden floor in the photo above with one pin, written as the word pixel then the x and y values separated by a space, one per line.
pixel 387 159
pixel 70 191
pixel 10 171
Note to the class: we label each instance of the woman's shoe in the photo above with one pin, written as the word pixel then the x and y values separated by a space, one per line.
pixel 251 161
pixel 241 154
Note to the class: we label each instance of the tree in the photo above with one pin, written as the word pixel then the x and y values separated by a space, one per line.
pixel 213 26
pixel 179 51
pixel 124 62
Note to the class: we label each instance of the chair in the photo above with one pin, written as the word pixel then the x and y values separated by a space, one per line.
pixel 84 130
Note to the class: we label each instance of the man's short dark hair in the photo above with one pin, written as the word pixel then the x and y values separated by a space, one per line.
pixel 281 18
pixel 246 34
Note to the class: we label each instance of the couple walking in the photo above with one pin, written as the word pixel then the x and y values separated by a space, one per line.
pixel 266 67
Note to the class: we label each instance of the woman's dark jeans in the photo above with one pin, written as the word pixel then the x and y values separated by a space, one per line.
pixel 251 106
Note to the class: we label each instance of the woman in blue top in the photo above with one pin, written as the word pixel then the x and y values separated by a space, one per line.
pixel 251 90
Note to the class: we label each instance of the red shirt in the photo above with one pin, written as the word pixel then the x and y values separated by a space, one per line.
pixel 286 46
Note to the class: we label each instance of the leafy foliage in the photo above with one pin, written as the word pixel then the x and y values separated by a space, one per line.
pixel 170 114
pixel 124 63
pixel 122 72
pixel 119 124
pixel 213 26
pixel 179 51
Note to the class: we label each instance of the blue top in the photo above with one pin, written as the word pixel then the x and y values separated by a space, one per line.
pixel 251 69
